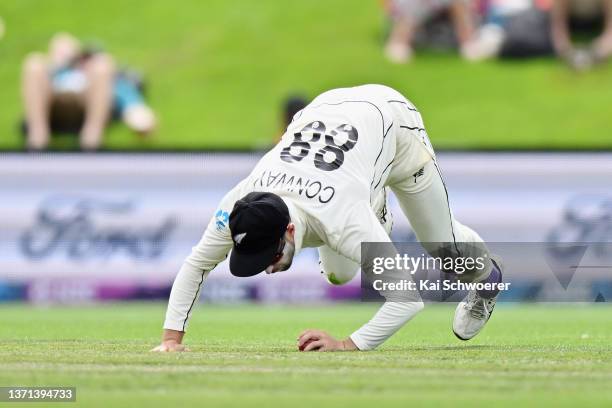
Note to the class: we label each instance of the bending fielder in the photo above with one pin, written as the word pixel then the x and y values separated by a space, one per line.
pixel 324 185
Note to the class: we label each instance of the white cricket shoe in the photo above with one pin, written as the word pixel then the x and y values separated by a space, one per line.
pixel 473 313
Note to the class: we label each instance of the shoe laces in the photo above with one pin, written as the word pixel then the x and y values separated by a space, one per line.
pixel 477 306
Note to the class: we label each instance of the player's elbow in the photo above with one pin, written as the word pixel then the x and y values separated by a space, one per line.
pixel 338 279
pixel 333 279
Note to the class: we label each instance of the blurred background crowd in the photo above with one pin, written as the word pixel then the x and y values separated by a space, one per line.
pixel 485 29
pixel 214 76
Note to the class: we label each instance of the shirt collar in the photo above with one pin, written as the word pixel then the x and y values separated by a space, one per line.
pixel 296 216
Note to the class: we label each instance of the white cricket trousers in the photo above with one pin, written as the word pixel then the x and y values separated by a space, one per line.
pixel 417 183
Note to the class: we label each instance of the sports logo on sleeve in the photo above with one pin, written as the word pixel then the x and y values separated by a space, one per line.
pixel 221 219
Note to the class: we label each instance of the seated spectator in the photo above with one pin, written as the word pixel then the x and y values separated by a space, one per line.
pixel 77 90
pixel 408 16
pixel 574 15
pixel 512 29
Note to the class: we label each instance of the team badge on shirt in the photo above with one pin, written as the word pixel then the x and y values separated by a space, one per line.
pixel 221 219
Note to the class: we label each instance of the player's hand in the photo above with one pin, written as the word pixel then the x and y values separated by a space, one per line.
pixel 318 340
pixel 171 342
pixel 169 346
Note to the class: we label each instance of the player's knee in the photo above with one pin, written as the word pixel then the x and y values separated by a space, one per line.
pixel 442 250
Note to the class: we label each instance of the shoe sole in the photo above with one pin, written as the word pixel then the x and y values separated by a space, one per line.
pixel 461 338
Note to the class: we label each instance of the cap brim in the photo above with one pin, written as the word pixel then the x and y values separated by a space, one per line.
pixel 250 264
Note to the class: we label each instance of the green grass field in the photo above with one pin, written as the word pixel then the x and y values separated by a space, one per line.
pixel 218 71
pixel 246 356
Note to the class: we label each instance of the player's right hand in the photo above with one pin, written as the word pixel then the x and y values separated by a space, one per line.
pixel 169 346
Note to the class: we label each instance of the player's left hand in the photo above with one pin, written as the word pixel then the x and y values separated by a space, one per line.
pixel 318 340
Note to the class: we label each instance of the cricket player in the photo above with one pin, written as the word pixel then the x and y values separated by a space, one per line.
pixel 324 185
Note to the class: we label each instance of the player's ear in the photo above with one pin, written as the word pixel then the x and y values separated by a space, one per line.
pixel 291 229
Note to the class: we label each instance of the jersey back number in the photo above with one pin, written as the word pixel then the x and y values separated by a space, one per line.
pixel 329 157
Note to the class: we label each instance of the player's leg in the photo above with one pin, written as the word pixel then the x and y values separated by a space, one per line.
pixel 424 200
pixel 417 182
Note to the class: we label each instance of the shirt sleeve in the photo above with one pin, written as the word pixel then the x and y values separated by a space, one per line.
pixel 212 249
pixel 363 226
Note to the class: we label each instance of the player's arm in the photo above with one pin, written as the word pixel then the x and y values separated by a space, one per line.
pixel 213 248
pixel 336 268
pixel 363 226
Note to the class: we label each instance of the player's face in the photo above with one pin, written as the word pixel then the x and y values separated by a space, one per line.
pixel 284 257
